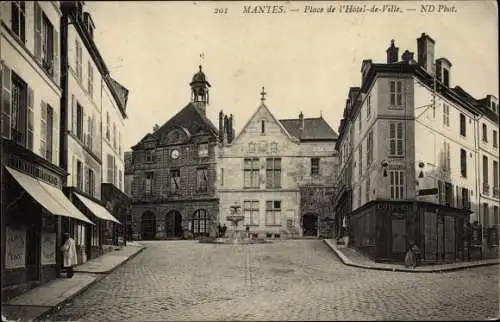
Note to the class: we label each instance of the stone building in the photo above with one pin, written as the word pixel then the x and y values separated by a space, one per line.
pixel 88 92
pixel 33 203
pixel 279 174
pixel 174 172
pixel 409 158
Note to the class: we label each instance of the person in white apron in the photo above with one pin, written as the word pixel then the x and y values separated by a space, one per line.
pixel 69 254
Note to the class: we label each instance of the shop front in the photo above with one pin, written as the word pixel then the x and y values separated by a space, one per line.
pixel 33 206
pixel 384 230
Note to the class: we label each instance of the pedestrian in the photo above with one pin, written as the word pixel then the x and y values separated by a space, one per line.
pixel 69 254
pixel 247 229
pixel 219 230
pixel 411 255
pixel 224 228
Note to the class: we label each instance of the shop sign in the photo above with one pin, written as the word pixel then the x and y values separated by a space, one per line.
pixel 48 248
pixel 15 248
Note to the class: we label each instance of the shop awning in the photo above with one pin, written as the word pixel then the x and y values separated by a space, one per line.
pixel 48 196
pixel 97 209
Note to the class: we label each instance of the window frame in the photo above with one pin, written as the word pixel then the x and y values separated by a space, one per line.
pixel 463 163
pixel 273 173
pixel 315 168
pixel 446 114
pixel 463 125
pixel 251 212
pixel 396 141
pixel 397 189
pixel 273 212
pixel 202 181
pixel 252 171
pixel 396 93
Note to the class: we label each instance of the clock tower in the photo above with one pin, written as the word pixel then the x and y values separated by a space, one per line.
pixel 199 91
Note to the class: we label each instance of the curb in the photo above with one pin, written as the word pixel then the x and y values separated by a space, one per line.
pixel 45 316
pixel 347 262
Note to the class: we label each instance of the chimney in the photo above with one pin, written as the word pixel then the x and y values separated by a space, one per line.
pixel 230 129
pixel 425 52
pixel 443 67
pixel 221 126
pixel 226 125
pixel 407 57
pixel 392 53
pixel 301 121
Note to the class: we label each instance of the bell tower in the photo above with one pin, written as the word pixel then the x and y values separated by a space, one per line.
pixel 199 91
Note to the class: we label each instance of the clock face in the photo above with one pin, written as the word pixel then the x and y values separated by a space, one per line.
pixel 175 154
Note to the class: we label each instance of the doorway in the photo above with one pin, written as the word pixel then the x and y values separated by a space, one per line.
pixel 310 225
pixel 173 224
pixel 148 226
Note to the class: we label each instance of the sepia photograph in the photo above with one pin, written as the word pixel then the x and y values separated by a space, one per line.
pixel 249 160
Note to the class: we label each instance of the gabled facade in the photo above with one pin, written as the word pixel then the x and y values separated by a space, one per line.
pixel 409 142
pixel 262 171
pixel 173 173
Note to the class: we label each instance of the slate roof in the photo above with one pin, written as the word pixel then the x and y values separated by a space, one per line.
pixel 314 129
pixel 189 118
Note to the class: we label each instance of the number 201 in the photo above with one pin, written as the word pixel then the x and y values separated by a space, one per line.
pixel 220 10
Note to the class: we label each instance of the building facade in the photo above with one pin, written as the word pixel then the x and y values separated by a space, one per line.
pixel 32 201
pixel 174 173
pixel 270 167
pixel 88 92
pixel 408 147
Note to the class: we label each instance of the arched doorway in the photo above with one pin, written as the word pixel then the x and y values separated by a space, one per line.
pixel 173 224
pixel 148 225
pixel 310 225
pixel 200 223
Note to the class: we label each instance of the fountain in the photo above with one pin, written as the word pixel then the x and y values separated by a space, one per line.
pixel 237 236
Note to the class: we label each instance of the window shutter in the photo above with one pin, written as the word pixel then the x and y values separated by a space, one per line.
pixel 74 114
pixel 87 181
pixel 6 8
pixel 43 130
pixel 55 138
pixel 459 197
pixel 56 58
pixel 31 120
pixel 74 172
pixel 38 33
pixel 6 96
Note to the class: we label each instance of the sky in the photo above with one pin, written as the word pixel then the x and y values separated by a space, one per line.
pixel 306 62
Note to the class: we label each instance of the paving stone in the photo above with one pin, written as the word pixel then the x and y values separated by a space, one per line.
pixel 291 280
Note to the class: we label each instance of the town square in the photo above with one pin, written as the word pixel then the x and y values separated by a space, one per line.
pixel 213 161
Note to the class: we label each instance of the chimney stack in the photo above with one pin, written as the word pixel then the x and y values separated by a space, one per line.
pixel 230 129
pixel 226 126
pixel 407 57
pixel 221 126
pixel 392 53
pixel 425 52
pixel 301 121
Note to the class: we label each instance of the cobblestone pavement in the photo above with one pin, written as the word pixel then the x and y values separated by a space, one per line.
pixel 289 280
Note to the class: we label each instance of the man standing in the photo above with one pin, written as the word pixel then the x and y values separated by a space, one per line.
pixel 69 254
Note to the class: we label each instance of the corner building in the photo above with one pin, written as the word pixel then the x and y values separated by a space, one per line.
pixel 409 159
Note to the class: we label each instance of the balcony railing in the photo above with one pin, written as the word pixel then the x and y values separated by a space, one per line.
pixel 486 188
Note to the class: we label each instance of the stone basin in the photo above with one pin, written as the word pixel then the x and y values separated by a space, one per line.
pixel 233 241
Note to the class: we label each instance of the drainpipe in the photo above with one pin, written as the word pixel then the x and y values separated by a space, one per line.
pixel 2 203
pixel 478 186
